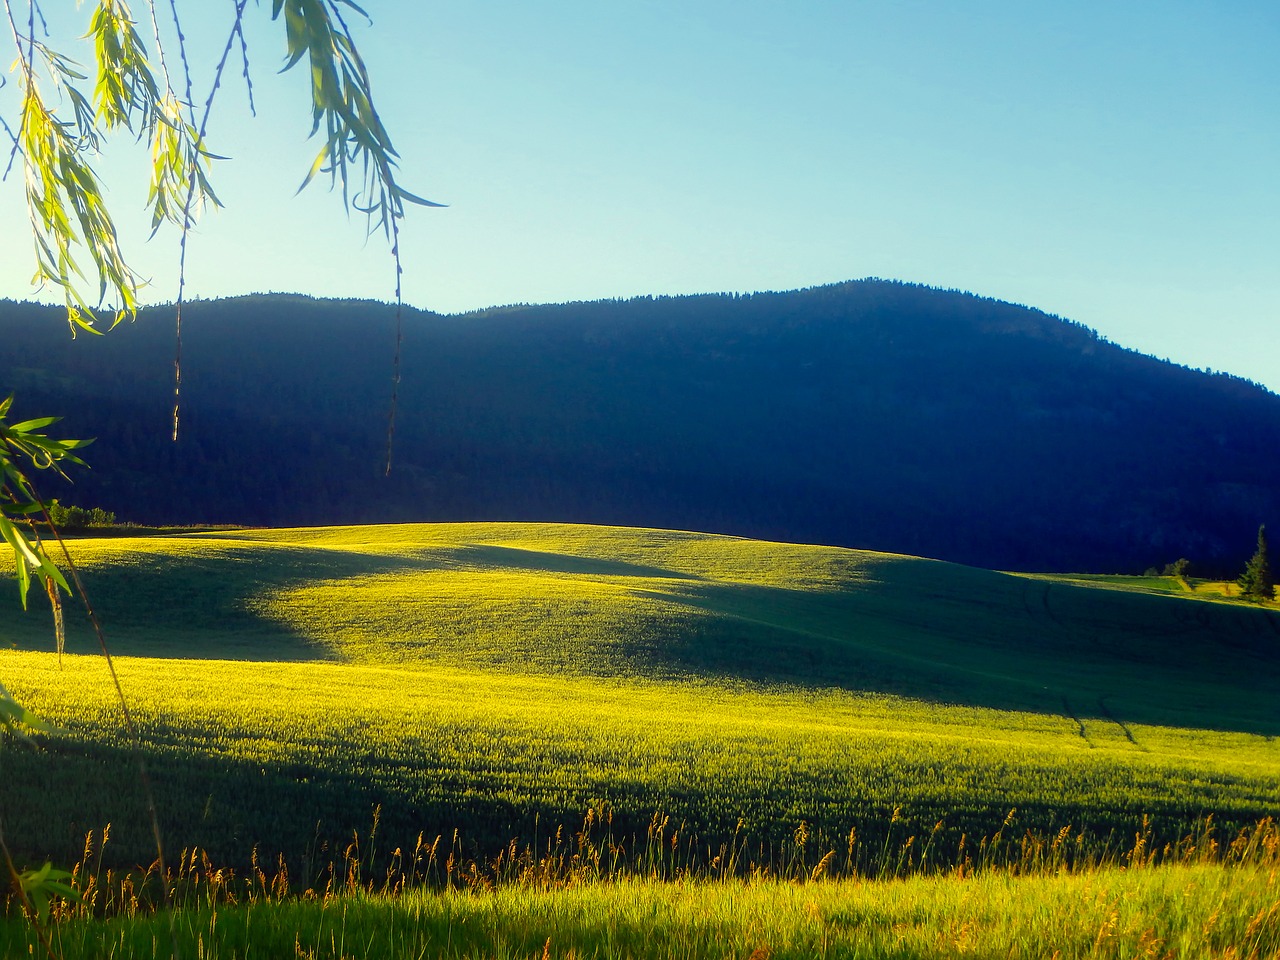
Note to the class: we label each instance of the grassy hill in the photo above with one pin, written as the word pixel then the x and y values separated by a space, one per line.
pixel 494 677
pixel 620 602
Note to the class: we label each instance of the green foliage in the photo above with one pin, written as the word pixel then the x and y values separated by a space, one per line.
pixel 1257 582
pixel 76 518
pixel 342 102
pixel 22 449
pixel 130 91
pixel 39 888
pixel 125 89
pixel 65 201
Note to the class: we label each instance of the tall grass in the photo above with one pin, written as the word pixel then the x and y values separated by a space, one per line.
pixel 579 894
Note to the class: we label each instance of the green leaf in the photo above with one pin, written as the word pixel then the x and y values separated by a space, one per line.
pixel 26 426
pixel 357 9
pixel 41 886
pixel 14 716
pixel 413 198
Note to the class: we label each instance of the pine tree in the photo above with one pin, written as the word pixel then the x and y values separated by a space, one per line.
pixel 1257 583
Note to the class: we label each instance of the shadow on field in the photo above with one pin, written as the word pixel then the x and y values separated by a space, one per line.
pixel 305 812
pixel 187 604
pixel 910 627
pixel 219 804
pixel 234 809
pixel 514 558
pixel 973 637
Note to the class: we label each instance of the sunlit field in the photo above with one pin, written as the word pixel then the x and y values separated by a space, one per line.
pixel 273 755
pixel 489 684
pixel 622 603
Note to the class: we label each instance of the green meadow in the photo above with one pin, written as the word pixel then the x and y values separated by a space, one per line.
pixel 683 705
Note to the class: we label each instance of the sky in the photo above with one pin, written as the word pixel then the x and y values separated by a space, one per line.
pixel 1117 164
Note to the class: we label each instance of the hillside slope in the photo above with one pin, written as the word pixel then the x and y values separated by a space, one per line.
pixel 643 604
pixel 867 414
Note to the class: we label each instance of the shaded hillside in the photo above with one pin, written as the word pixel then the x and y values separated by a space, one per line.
pixel 866 414
pixel 646 605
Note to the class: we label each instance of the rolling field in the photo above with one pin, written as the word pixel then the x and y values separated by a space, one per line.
pixel 501 679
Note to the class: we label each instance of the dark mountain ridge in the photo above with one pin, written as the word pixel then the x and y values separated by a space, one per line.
pixel 872 414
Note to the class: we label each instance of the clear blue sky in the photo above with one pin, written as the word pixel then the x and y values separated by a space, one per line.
pixel 1114 163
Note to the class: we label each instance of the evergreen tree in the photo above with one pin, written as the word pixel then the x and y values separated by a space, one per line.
pixel 1257 583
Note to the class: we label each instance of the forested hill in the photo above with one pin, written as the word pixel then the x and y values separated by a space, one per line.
pixel 869 414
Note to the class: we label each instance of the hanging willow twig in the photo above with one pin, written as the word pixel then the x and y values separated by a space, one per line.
pixel 65 115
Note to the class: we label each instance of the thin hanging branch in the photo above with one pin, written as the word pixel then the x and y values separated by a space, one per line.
pixel 395 363
pixel 66 201
pixel 354 138
pixel 197 188
pixel 182 51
